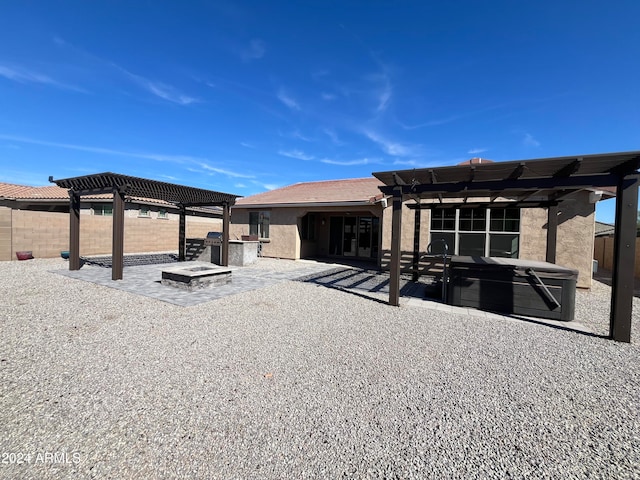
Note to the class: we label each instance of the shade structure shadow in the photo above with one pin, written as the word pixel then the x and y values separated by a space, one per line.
pixel 106 261
pixel 368 283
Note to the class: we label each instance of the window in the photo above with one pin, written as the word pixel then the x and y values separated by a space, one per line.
pixel 144 212
pixel 162 213
pixel 476 231
pixel 308 227
pixel 103 209
pixel 259 224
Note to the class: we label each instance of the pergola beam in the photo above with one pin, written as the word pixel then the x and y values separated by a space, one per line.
pixel 496 186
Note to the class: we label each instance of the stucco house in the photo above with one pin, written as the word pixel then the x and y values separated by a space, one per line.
pixel 336 218
pixel 37 219
pixel 351 219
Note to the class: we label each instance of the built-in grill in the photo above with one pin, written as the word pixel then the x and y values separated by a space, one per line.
pixel 213 238
pixel 510 285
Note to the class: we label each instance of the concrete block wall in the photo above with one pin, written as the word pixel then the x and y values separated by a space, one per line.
pixel 6 246
pixel 43 233
pixel 46 234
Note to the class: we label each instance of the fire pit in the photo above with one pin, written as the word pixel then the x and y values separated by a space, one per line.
pixel 196 277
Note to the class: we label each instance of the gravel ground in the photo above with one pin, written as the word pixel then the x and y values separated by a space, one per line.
pixel 302 381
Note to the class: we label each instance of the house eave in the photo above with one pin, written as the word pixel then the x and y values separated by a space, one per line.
pixel 365 203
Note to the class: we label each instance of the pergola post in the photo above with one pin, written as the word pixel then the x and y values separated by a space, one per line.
pixel 396 229
pixel 182 234
pixel 225 234
pixel 74 230
pixel 117 247
pixel 624 252
pixel 552 233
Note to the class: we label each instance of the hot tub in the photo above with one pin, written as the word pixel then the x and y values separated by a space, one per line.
pixel 510 285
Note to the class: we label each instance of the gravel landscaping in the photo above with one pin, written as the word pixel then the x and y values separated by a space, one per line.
pixel 297 380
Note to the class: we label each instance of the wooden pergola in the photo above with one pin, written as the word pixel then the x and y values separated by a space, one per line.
pixel 123 185
pixel 538 183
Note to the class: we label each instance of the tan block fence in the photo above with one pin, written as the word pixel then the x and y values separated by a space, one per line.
pixel 46 234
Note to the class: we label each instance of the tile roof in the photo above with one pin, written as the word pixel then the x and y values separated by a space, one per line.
pixel 56 194
pixel 19 192
pixel 328 191
pixel 604 229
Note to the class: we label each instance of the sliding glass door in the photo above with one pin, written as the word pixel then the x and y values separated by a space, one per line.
pixel 354 236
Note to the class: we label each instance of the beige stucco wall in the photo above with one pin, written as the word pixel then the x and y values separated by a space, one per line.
pixel 575 237
pixel 576 228
pixel 47 233
pixel 284 228
pixel 576 232
pixel 406 235
pixel 576 225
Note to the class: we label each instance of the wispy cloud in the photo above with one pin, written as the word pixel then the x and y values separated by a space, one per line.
pixel 383 93
pixel 295 134
pixel 328 96
pixel 23 75
pixel 229 173
pixel 415 163
pixel 254 51
pixel 297 154
pixel 475 151
pixel 247 145
pixel 158 157
pixel 431 123
pixel 288 100
pixel 333 136
pixel 390 147
pixel 265 186
pixel 300 136
pixel 169 177
pixel 349 163
pixel 529 141
pixel 159 89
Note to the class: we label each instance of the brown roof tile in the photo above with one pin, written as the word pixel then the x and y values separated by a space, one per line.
pixel 328 191
pixel 49 192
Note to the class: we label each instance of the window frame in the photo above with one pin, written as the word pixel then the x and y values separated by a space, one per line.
pixel 258 227
pixel 308 227
pixel 144 211
pixel 99 210
pixel 490 217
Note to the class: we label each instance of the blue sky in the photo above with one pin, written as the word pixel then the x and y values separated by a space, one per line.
pixel 252 95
